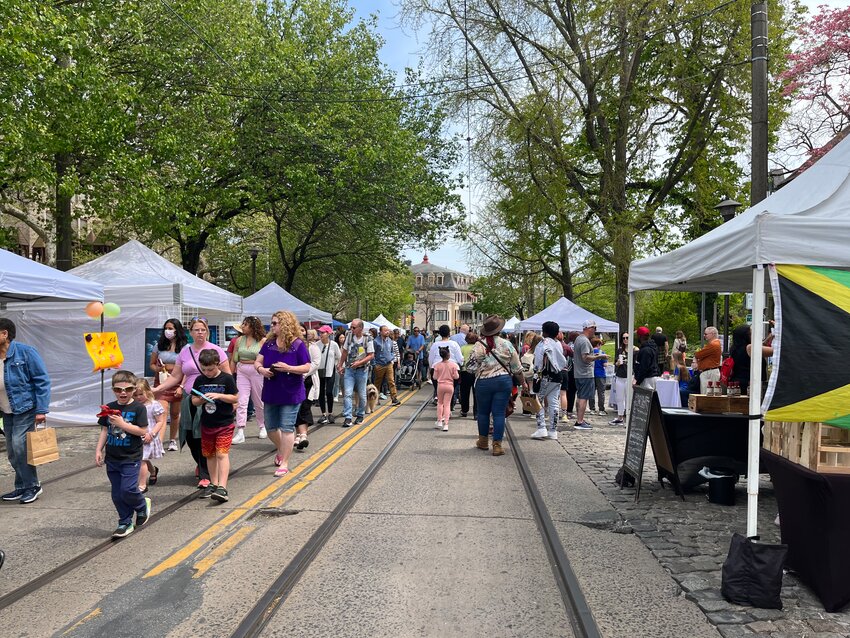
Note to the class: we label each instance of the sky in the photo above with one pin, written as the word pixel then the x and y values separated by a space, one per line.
pixel 403 48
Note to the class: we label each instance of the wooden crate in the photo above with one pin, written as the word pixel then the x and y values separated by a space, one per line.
pixel 723 404
pixel 817 446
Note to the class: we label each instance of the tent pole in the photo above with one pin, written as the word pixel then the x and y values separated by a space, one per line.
pixel 630 365
pixel 754 445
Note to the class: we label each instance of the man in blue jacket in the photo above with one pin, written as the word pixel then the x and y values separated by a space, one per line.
pixel 24 402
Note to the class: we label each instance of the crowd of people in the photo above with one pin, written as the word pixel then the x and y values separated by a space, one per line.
pixel 202 394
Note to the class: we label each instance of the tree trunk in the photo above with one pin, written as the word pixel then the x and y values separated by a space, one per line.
pixel 62 215
pixel 190 252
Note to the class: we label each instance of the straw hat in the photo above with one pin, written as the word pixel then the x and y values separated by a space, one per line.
pixel 236 325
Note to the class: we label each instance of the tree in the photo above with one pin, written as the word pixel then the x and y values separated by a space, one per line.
pixel 819 80
pixel 636 109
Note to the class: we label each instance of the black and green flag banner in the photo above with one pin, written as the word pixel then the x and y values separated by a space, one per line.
pixel 811 376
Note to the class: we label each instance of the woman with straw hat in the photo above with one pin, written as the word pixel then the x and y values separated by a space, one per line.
pixel 494 361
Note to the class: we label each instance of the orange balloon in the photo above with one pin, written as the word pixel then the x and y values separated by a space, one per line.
pixel 94 309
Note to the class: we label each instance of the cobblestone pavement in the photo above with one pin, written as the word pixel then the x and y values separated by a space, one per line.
pixel 691 540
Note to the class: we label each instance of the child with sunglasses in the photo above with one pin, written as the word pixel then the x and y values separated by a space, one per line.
pixel 120 447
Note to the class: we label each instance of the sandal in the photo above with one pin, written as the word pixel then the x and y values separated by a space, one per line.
pixel 143 489
pixel 281 471
pixel 278 459
pixel 154 475
pixel 303 442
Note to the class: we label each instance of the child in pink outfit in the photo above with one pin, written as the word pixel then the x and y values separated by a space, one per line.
pixel 446 373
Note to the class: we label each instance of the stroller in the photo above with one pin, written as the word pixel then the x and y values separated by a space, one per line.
pixel 408 372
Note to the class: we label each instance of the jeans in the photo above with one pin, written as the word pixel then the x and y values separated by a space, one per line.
pixel 124 477
pixel 281 416
pixel 550 402
pixel 16 427
pixel 599 386
pixel 355 380
pixel 492 395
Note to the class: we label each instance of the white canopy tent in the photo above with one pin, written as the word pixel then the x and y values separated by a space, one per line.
pixel 23 279
pixel 569 316
pixel 511 325
pixel 271 298
pixel 149 289
pixel 381 320
pixel 807 223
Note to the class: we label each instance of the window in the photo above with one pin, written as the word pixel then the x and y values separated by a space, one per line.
pixel 439 280
pixel 418 280
pixel 441 315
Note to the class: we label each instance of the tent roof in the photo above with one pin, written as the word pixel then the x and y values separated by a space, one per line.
pixel 381 320
pixel 146 278
pixel 511 324
pixel 806 222
pixel 23 279
pixel 268 300
pixel 569 317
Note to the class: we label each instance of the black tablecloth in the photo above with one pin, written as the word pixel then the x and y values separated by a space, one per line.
pixel 814 517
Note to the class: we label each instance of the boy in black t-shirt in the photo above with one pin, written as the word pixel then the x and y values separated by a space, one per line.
pixel 123 424
pixel 215 393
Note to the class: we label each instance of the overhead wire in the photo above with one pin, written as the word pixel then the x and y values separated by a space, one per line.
pixel 466 89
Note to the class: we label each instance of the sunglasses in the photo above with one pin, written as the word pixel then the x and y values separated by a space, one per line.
pixel 123 389
pixel 274 323
pixel 199 318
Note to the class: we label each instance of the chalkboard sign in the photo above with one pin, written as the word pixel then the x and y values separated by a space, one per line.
pixel 644 404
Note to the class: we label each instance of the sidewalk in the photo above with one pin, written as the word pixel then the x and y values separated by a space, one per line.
pixel 690 539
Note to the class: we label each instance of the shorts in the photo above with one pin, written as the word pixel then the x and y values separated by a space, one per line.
pixel 585 387
pixel 280 417
pixel 216 440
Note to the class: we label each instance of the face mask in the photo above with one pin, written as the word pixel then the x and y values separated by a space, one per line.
pixel 169 334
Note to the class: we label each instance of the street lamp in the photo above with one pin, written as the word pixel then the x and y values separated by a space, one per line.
pixel 727 209
pixel 253 252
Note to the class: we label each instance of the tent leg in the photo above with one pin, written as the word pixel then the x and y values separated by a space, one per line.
pixel 630 371
pixel 754 446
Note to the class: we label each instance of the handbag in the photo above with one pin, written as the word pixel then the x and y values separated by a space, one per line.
pixel 530 403
pixel 42 446
pixel 752 573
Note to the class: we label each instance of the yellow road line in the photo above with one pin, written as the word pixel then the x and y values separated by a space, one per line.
pixel 204 565
pixel 92 614
pixel 239 512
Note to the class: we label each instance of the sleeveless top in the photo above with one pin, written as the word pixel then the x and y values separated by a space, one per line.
pixel 245 352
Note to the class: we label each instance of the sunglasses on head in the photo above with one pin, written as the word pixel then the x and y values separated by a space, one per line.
pixel 123 389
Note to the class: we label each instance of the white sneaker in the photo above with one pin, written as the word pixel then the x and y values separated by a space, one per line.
pixel 602 413
pixel 238 436
pixel 382 396
pixel 429 381
pixel 445 427
pixel 263 434
pixel 539 434
pixel 438 425
pixel 553 434
pixel 172 445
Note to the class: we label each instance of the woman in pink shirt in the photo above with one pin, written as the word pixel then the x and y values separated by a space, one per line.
pixel 446 373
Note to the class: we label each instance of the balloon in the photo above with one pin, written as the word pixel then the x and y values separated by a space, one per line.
pixel 111 310
pixel 94 309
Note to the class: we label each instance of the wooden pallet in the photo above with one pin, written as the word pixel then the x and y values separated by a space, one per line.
pixel 817 446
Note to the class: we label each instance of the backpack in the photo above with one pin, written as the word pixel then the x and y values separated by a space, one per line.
pixel 726 370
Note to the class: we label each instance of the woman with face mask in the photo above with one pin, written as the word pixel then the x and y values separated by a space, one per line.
pixel 164 356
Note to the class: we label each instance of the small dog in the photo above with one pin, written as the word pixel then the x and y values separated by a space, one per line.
pixel 371 399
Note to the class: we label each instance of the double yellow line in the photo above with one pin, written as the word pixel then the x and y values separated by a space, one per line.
pixel 312 468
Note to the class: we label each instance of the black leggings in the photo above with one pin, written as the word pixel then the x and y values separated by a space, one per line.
pixel 326 394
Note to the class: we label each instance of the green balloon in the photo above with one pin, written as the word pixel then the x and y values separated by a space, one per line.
pixel 111 310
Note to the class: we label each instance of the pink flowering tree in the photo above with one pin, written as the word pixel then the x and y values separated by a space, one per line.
pixel 819 80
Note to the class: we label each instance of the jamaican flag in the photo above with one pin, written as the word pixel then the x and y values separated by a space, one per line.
pixel 811 366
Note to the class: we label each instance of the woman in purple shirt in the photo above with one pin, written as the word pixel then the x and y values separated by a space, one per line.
pixel 283 360
pixel 183 375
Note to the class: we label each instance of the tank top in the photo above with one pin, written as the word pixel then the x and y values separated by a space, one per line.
pixel 245 352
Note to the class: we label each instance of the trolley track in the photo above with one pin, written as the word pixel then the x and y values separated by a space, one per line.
pixel 86 556
pixel 578 612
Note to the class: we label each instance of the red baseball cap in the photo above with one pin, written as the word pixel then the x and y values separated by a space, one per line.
pixel 642 331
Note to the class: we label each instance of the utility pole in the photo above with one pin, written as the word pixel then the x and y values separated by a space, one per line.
pixel 758 27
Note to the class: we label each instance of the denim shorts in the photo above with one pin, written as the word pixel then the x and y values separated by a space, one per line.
pixel 280 417
pixel 585 387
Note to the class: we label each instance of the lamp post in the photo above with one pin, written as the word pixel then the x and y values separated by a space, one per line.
pixel 727 209
pixel 253 252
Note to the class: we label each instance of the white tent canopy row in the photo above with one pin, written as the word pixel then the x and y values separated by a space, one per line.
pixel 23 279
pixel 271 298
pixel 807 223
pixel 569 316
pixel 149 289
pixel 511 325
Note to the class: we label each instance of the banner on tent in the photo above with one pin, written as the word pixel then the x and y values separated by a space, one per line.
pixel 812 332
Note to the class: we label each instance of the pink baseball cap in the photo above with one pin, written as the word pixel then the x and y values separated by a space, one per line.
pixel 325 329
